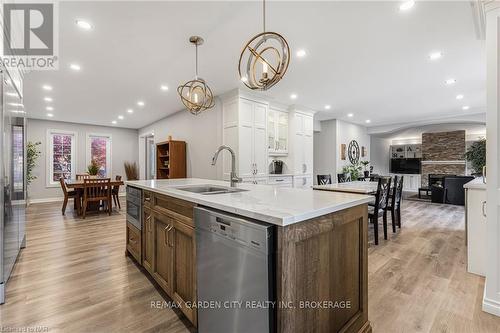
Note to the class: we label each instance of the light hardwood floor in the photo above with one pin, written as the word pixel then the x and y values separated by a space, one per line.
pixel 74 277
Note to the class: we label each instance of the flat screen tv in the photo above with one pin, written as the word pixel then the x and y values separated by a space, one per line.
pixel 406 165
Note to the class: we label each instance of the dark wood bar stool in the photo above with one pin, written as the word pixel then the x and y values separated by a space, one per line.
pixel 379 207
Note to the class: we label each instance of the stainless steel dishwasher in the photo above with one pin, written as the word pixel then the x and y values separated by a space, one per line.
pixel 235 267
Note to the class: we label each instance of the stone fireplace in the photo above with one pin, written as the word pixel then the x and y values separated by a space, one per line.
pixel 443 153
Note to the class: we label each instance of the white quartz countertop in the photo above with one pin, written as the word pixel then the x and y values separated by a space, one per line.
pixel 267 203
pixel 476 183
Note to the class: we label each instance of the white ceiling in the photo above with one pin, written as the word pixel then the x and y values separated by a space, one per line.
pixel 365 58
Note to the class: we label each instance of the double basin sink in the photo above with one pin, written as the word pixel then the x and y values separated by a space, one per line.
pixel 210 189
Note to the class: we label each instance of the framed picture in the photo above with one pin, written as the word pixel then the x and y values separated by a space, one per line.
pixel 342 151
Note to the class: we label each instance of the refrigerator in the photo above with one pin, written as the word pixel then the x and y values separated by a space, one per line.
pixel 12 177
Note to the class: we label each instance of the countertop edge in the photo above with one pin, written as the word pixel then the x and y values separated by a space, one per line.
pixel 476 183
pixel 283 222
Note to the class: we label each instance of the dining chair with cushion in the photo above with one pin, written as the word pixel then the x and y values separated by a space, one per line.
pixel 67 195
pixel 324 179
pixel 115 191
pixel 395 202
pixel 81 176
pixel 343 177
pixel 379 207
pixel 96 190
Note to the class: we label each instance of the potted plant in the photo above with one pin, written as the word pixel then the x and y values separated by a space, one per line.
pixel 93 168
pixel 365 166
pixel 32 154
pixel 476 155
pixel 353 170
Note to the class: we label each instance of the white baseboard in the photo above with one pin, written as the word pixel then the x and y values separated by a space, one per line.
pixel 491 306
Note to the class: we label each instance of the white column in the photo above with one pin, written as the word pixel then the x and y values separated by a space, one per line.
pixel 491 299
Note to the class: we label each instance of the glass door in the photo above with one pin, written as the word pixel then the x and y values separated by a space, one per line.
pixel 150 157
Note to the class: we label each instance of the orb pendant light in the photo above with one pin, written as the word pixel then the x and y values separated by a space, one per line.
pixel 264 59
pixel 196 95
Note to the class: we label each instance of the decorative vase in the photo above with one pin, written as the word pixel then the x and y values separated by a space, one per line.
pixel 367 174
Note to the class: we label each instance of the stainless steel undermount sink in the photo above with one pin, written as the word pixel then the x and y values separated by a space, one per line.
pixel 210 189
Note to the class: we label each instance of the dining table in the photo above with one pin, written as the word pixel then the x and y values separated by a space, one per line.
pixel 78 184
pixel 359 187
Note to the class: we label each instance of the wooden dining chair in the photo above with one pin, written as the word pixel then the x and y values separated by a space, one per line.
pixel 67 195
pixel 395 202
pixel 324 179
pixel 343 178
pixel 115 191
pixel 81 176
pixel 379 206
pixel 96 190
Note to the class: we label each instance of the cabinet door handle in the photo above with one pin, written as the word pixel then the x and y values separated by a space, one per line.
pixel 484 174
pixel 165 234
pixel 169 238
pixel 148 199
pixel 148 223
pixel 483 208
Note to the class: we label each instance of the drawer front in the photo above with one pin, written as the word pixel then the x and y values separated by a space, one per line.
pixel 134 241
pixel 133 191
pixel 280 180
pixel 174 207
pixel 147 198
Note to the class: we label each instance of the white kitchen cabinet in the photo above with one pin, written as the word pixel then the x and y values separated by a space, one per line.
pixel 245 131
pixel 280 180
pixel 302 146
pixel 476 226
pixel 411 182
pixel 303 181
pixel 277 129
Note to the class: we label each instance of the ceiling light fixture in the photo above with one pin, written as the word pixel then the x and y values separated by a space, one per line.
pixel 50 115
pixel 435 55
pixel 459 97
pixel 196 95
pixel 84 24
pixel 75 67
pixel 407 5
pixel 114 122
pixel 130 111
pixel 301 53
pixel 268 53
pixel 49 108
pixel 121 117
pixel 293 96
pixel 140 103
pixel 350 115
pixel 47 87
pixel 328 107
pixel 450 81
pixel 465 107
pixel 48 99
pixel 368 121
pixel 164 87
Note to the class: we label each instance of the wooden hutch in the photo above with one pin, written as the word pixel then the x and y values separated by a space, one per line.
pixel 171 159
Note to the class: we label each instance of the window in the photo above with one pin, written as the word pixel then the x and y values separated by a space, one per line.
pixel 99 150
pixel 61 157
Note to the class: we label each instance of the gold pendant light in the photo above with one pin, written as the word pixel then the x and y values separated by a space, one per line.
pixel 196 95
pixel 264 59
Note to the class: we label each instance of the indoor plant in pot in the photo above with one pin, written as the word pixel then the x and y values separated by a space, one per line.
pixel 476 155
pixel 32 154
pixel 93 168
pixel 365 166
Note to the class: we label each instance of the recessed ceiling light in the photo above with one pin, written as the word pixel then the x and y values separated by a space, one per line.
pixel 328 107
pixel 164 87
pixel 114 122
pixel 130 111
pixel 50 115
pixel 435 55
pixel 121 117
pixel 465 107
pixel 460 97
pixel 301 53
pixel 48 99
pixel 350 115
pixel 47 87
pixel 84 24
pixel 140 103
pixel 75 67
pixel 49 108
pixel 293 96
pixel 368 121
pixel 450 81
pixel 407 5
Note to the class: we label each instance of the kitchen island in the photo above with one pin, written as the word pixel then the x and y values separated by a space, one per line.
pixel 320 260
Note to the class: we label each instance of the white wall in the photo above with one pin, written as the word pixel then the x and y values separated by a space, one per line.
pixel 123 148
pixel 325 149
pixel 202 133
pixel 380 155
pixel 345 133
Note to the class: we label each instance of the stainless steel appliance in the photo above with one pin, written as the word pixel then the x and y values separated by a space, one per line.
pixel 277 167
pixel 12 177
pixel 134 211
pixel 234 273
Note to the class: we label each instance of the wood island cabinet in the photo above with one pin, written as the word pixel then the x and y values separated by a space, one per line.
pixel 148 240
pixel 163 252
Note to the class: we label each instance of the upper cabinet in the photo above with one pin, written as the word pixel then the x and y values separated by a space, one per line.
pixel 245 131
pixel 302 143
pixel 277 132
